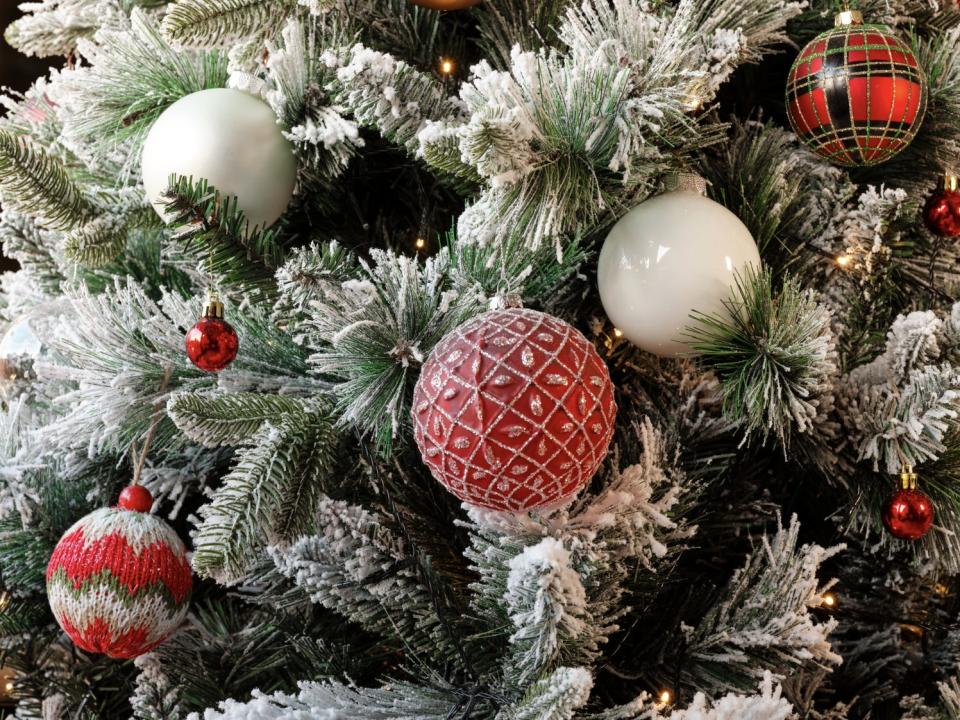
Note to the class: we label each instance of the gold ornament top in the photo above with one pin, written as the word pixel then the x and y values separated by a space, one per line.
pixel 213 308
pixel 847 18
pixel 948 181
pixel 908 478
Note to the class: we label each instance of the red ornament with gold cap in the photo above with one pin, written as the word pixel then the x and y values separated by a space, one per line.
pixel 212 343
pixel 941 213
pixel 514 410
pixel 908 511
pixel 119 581
pixel 856 94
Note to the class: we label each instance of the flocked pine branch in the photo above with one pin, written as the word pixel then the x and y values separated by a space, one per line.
pixel 395 701
pixel 269 496
pixel 359 568
pixel 557 696
pixel 528 24
pixel 762 623
pixel 34 182
pixel 216 420
pixel 210 23
pixel 900 408
pixel 387 93
pixel 210 229
pixel 96 243
pixel 53 28
pixel 133 76
pixel 372 333
pixel 774 353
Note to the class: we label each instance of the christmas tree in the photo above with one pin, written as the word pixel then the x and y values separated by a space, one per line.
pixel 507 359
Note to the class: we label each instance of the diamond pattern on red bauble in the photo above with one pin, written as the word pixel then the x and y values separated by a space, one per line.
pixel 514 410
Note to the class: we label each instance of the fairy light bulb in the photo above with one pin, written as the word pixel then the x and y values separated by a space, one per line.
pixel 420 243
pixel 829 601
pixel 447 66
pixel 666 697
pixel 618 332
pixel 843 260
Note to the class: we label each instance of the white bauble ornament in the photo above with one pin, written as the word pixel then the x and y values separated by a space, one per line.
pixel 230 139
pixel 671 255
pixel 20 339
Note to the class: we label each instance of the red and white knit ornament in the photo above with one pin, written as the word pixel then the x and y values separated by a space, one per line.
pixel 119 580
pixel 514 410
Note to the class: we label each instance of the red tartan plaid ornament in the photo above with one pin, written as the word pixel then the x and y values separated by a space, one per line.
pixel 514 410
pixel 856 94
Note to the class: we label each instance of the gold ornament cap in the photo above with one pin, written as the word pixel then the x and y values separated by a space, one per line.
pixel 948 181
pixel 213 308
pixel 846 18
pixel 908 478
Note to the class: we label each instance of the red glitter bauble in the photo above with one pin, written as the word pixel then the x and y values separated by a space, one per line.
pixel 136 498
pixel 908 514
pixel 514 410
pixel 856 94
pixel 941 214
pixel 212 344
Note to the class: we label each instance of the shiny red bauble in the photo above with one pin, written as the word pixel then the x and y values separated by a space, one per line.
pixel 212 344
pixel 908 514
pixel 856 94
pixel 941 214
pixel 136 498
pixel 514 410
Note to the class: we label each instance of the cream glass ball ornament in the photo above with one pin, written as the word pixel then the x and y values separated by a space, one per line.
pixel 230 139
pixel 672 255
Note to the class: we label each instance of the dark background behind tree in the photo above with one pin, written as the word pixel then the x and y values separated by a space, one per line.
pixel 16 73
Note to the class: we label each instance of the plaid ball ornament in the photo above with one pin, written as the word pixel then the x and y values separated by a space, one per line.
pixel 514 410
pixel 856 94
pixel 119 581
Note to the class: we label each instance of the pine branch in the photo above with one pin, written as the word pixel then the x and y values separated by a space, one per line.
pixel 212 229
pixel 37 184
pixel 372 334
pixel 774 353
pixel 96 243
pixel 557 696
pixel 394 701
pixel 52 29
pixel 763 623
pixel 270 495
pixel 218 420
pixel 356 566
pixel 390 95
pixel 210 23
pixel 528 24
pixel 134 76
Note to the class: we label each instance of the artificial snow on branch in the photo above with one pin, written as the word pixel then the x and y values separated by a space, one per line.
pixel 763 621
pixel 209 23
pixel 270 495
pixel 774 353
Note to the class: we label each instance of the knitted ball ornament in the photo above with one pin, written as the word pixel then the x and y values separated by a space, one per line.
pixel 514 410
pixel 119 581
pixel 856 94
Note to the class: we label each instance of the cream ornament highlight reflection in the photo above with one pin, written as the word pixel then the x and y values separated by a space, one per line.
pixel 672 255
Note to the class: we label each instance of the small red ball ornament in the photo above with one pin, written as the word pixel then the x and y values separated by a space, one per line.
pixel 136 498
pixel 514 410
pixel 856 94
pixel 212 343
pixel 908 512
pixel 941 214
pixel 119 581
